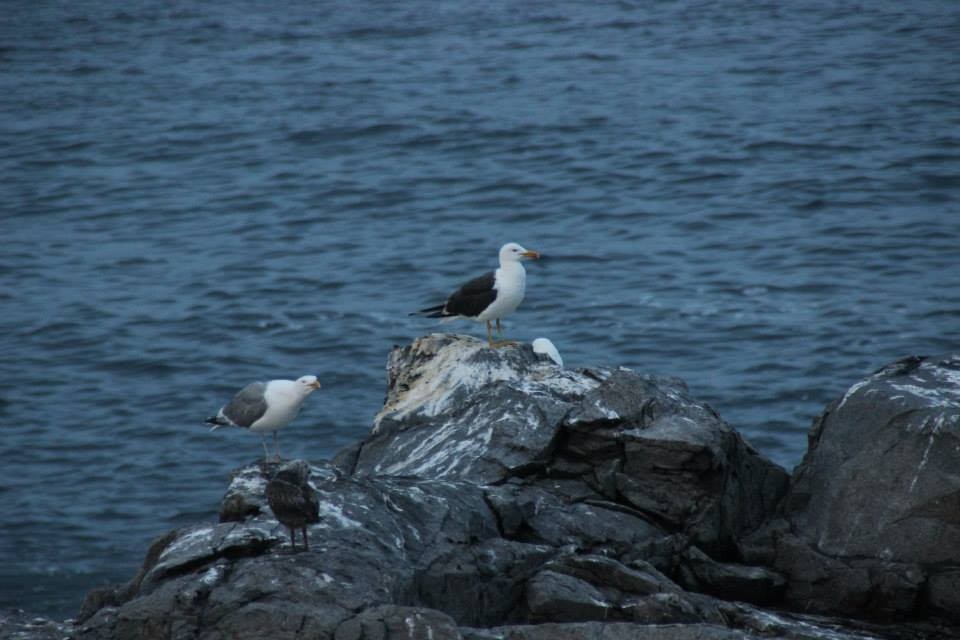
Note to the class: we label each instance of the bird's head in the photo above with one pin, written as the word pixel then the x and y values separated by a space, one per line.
pixel 295 472
pixel 512 252
pixel 308 384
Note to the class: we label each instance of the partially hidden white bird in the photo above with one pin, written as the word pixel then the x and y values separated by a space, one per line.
pixel 263 407
pixel 490 297
pixel 545 347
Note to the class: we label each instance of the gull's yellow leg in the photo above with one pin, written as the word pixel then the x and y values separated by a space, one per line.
pixel 501 342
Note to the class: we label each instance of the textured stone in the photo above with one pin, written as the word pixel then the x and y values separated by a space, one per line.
pixel 499 496
pixel 874 508
pixel 389 622
pixel 731 581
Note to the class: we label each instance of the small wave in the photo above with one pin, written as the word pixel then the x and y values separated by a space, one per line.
pixel 372 33
pixel 705 177
pixel 590 56
pixel 321 136
pixel 789 145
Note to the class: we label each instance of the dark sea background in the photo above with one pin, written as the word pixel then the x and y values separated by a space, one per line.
pixel 762 198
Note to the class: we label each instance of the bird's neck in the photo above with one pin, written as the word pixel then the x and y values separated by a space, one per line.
pixel 289 389
pixel 512 268
pixel 511 274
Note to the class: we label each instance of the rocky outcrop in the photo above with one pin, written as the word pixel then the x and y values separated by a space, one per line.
pixel 497 496
pixel 871 525
pixel 613 438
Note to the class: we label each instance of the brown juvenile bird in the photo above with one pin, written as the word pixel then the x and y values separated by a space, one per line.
pixel 293 501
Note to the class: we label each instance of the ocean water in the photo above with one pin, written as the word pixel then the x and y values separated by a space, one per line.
pixel 762 198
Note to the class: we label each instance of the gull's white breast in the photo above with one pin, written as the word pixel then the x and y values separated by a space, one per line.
pixel 510 281
pixel 283 405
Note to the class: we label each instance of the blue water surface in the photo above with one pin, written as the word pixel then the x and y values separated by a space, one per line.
pixel 759 197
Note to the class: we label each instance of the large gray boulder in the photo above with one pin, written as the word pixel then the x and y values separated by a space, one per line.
pixel 497 496
pixel 239 579
pixel 872 521
pixel 460 410
pixel 406 558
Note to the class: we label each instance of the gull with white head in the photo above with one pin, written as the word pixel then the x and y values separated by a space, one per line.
pixel 263 407
pixel 490 297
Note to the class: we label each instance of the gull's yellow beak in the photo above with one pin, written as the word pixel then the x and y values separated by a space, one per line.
pixel 315 384
pixel 531 254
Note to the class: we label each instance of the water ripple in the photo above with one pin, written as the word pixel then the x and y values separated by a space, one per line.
pixel 761 202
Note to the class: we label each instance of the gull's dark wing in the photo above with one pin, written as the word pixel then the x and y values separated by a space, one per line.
pixel 472 298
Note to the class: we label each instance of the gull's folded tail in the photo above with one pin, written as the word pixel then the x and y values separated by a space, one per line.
pixel 430 312
pixel 217 422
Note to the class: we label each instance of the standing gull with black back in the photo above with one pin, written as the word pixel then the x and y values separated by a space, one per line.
pixel 491 296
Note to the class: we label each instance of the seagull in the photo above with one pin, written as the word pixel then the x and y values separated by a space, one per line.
pixel 492 296
pixel 543 346
pixel 293 501
pixel 265 406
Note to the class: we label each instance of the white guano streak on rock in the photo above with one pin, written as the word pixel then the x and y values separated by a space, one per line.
pixel 329 510
pixel 208 541
pixel 549 381
pixel 248 483
pixel 770 621
pixel 923 460
pixel 186 540
pixel 607 412
pixel 852 390
pixel 242 533
pixel 434 451
pixel 850 533
pixel 948 376
pixel 939 397
pixel 465 453
pixel 212 575
pixel 440 377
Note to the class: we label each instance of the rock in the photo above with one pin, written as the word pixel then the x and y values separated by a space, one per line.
pixel 943 591
pixel 675 460
pixel 391 622
pixel 575 588
pixel 562 598
pixel 731 581
pixel 638 579
pixel 500 496
pixel 536 514
pixel 481 584
pixel 457 409
pixel 874 508
pixel 238 579
pixel 606 631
